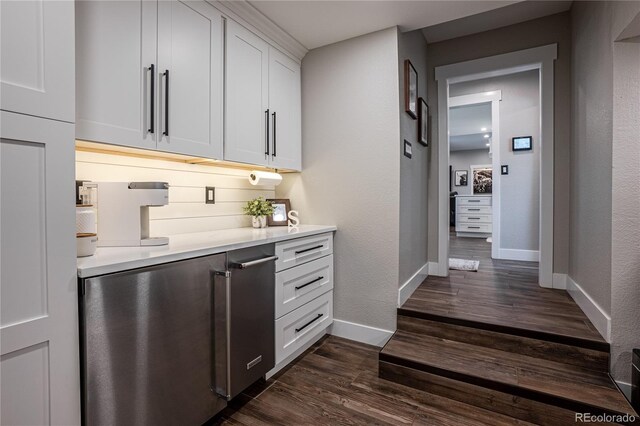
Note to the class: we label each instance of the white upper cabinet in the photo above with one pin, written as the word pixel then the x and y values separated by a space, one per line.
pixel 150 75
pixel 190 66
pixel 246 116
pixel 37 57
pixel 263 124
pixel 116 67
pixel 284 105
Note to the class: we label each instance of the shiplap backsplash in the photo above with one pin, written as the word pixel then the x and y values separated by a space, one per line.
pixel 187 211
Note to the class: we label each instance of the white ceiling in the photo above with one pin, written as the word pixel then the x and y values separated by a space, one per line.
pixel 508 15
pixel 466 124
pixel 316 23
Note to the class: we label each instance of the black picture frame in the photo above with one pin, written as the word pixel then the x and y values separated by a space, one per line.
pixel 423 122
pixel 279 204
pixel 410 89
pixel 522 143
pixel 461 178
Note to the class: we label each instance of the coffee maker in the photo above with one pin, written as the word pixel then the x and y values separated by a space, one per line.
pixel 123 212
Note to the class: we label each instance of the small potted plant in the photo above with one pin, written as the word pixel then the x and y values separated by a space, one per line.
pixel 258 209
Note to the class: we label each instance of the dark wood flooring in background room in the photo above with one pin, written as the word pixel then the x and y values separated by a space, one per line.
pixel 336 382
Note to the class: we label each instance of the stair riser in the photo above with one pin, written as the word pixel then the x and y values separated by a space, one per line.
pixel 497 401
pixel 568 354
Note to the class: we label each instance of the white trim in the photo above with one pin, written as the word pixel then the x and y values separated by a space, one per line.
pixel 360 332
pixel 541 58
pixel 624 387
pixel 248 16
pixel 407 289
pixel 560 281
pixel 598 317
pixel 476 98
pixel 524 255
pixel 434 269
pixel 296 353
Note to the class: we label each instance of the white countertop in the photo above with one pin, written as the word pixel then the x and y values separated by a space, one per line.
pixel 107 260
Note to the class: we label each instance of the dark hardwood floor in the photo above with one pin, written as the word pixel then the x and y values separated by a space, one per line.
pixel 504 294
pixel 336 382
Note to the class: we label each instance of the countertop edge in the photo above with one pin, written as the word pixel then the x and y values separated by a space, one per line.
pixel 89 271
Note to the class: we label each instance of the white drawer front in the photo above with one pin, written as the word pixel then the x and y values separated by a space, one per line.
pixel 474 218
pixel 300 326
pixel 474 209
pixel 473 227
pixel 473 201
pixel 302 250
pixel 299 285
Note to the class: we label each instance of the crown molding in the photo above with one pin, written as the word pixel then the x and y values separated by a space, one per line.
pixel 247 15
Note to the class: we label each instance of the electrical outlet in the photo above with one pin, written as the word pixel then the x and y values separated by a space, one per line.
pixel 210 195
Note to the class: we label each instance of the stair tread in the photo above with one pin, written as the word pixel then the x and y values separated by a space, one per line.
pixel 554 379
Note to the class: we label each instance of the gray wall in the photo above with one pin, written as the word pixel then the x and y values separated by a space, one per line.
pixel 604 199
pixel 413 171
pixel 520 189
pixel 534 33
pixel 351 171
pixel 462 160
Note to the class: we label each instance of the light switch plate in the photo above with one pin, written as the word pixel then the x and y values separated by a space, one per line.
pixel 407 148
pixel 210 195
pixel 504 170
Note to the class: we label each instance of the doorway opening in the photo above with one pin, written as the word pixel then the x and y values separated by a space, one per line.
pixel 491 217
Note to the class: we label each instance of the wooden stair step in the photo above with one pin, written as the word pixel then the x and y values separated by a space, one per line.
pixel 517 324
pixel 564 385
pixel 551 351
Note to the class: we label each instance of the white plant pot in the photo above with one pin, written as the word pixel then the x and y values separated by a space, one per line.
pixel 259 221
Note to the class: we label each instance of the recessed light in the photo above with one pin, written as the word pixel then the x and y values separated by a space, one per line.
pixel 488 144
pixel 484 129
pixel 486 136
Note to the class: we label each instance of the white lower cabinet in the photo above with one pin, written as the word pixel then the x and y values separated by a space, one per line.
pixel 304 294
pixel 300 326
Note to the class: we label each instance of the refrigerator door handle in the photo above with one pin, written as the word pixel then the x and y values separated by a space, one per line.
pixel 221 333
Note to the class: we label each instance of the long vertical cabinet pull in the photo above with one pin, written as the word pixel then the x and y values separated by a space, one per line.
pixel 266 152
pixel 274 134
pixel 152 99
pixel 166 103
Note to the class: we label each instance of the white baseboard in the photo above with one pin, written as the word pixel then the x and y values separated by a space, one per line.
pixel 560 281
pixel 598 317
pixel 524 255
pixel 407 289
pixel 360 332
pixel 434 270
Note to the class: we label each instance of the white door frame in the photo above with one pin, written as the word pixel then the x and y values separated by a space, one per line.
pixel 494 97
pixel 540 58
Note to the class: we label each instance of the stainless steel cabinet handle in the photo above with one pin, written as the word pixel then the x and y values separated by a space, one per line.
pixel 473 201
pixel 256 262
pixel 274 134
pixel 473 227
pixel 309 249
pixel 474 210
pixel 474 218
pixel 266 136
pixel 309 283
pixel 309 323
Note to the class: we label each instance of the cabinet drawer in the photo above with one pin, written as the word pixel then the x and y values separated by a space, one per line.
pixel 299 285
pixel 473 227
pixel 473 201
pixel 474 218
pixel 302 250
pixel 300 326
pixel 474 209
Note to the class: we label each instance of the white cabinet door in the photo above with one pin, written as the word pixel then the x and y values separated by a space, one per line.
pixel 39 366
pixel 37 57
pixel 284 103
pixel 190 76
pixel 116 50
pixel 246 115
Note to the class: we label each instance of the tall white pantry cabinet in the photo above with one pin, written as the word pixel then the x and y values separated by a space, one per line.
pixel 39 366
